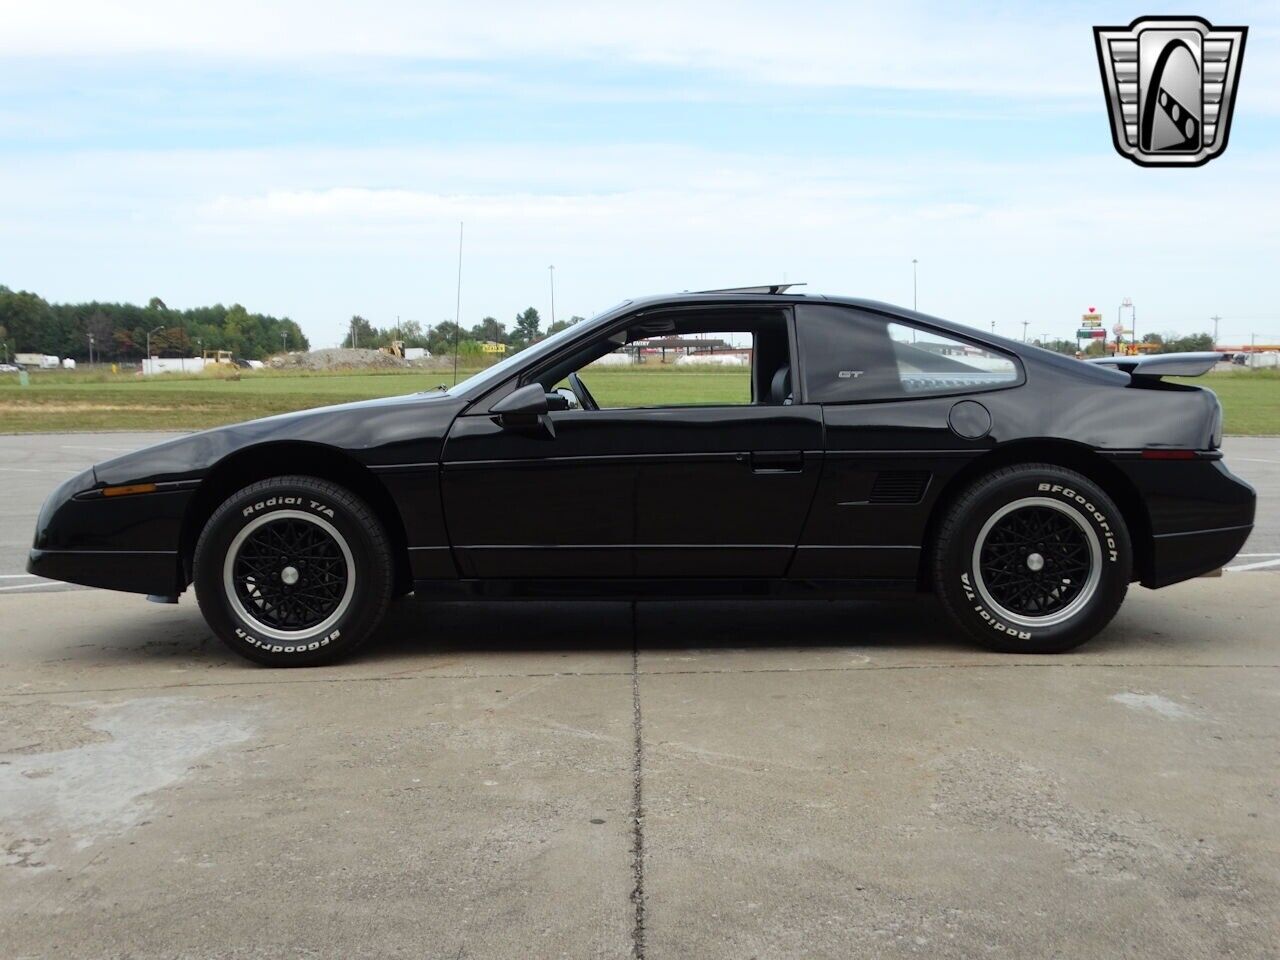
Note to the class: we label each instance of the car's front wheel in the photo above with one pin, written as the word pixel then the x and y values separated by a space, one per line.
pixel 293 571
pixel 1032 559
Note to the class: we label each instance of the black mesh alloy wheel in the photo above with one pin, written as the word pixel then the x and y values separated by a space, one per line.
pixel 1037 561
pixel 289 572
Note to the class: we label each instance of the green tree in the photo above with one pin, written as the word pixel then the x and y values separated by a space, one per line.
pixel 28 320
pixel 489 329
pixel 1190 344
pixel 360 333
pixel 527 327
pixel 1060 346
pixel 440 343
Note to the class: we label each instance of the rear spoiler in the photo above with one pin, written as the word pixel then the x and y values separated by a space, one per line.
pixel 1164 364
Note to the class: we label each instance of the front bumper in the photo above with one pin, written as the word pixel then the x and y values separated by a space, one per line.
pixel 133 571
pixel 128 543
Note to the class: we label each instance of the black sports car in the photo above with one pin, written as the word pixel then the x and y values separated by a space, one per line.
pixel 871 451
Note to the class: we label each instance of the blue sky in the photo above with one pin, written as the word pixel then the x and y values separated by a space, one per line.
pixel 314 160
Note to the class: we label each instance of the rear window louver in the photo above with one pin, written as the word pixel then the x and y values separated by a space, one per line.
pixel 900 486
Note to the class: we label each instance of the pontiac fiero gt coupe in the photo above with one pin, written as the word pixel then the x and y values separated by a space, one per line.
pixel 859 450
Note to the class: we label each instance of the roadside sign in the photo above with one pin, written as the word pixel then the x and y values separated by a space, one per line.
pixel 1090 333
pixel 493 347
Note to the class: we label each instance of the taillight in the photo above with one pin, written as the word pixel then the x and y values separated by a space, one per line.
pixel 1168 454
pixel 1215 435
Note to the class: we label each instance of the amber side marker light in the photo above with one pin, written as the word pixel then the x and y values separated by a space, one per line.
pixel 1168 454
pixel 129 490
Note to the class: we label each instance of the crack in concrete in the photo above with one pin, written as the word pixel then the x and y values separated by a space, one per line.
pixel 637 798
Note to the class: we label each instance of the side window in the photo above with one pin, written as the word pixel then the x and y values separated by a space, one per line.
pixel 676 359
pixel 711 368
pixel 851 356
pixel 930 362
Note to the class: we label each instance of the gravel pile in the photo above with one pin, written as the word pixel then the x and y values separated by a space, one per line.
pixel 336 358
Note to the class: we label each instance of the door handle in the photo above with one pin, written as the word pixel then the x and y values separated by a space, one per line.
pixel 781 461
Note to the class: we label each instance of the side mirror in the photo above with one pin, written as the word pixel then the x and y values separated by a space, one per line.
pixel 523 408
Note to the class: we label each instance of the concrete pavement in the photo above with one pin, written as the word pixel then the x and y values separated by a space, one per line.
pixel 730 780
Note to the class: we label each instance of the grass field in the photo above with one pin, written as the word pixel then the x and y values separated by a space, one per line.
pixel 1250 400
pixel 62 401
pixel 67 401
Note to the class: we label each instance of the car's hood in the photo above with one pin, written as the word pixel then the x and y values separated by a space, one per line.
pixel 387 430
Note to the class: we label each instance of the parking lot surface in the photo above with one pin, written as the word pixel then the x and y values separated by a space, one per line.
pixel 670 780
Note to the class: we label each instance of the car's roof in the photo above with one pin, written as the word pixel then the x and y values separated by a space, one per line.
pixel 731 297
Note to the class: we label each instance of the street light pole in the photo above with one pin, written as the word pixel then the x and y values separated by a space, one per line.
pixel 1133 322
pixel 915 286
pixel 1215 318
pixel 91 349
pixel 552 271
pixel 1024 330
pixel 284 341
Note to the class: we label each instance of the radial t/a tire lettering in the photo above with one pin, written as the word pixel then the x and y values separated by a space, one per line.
pixel 293 571
pixel 1032 559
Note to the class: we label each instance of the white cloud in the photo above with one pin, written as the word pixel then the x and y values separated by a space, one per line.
pixel 322 234
pixel 1003 49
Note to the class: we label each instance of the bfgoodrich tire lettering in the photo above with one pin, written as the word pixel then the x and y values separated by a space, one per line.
pixel 1032 559
pixel 293 571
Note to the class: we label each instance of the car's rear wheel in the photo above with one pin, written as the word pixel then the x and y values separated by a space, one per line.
pixel 1032 559
pixel 293 571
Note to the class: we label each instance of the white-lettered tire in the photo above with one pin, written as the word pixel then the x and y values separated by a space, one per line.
pixel 1033 558
pixel 293 571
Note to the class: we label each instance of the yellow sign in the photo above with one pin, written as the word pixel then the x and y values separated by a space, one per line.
pixel 493 347
pixel 1091 319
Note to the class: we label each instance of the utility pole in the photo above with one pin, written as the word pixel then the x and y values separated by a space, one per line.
pixel 1215 318
pixel 353 333
pixel 284 341
pixel 552 270
pixel 457 308
pixel 915 286
pixel 1024 330
pixel 91 349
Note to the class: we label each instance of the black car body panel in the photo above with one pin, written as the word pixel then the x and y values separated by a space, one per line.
pixel 800 494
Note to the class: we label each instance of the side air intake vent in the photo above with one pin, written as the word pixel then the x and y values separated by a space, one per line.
pixel 900 486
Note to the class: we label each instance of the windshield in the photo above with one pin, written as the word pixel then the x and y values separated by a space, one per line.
pixel 492 375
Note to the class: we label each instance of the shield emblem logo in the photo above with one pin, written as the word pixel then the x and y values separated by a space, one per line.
pixel 1170 84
